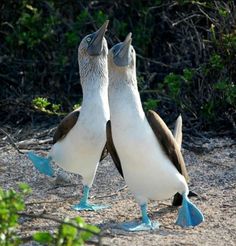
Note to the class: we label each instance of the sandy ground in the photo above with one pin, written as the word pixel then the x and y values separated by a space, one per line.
pixel 213 177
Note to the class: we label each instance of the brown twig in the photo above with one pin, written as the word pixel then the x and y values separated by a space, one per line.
pixel 47 217
pixel 112 194
pixel 11 141
pixel 42 202
pixel 153 61
pixel 185 19
pixel 29 142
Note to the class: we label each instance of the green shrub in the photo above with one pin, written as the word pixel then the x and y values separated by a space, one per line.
pixel 44 105
pixel 188 47
pixel 71 232
pixel 11 202
pixel 151 104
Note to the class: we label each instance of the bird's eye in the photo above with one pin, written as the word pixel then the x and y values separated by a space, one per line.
pixel 88 39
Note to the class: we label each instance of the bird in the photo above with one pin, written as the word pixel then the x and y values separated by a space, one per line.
pixel 146 151
pixel 80 138
pixel 110 148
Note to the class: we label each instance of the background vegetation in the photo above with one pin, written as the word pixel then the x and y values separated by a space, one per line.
pixel 186 57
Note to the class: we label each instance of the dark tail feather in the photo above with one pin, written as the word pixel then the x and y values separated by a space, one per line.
pixel 177 201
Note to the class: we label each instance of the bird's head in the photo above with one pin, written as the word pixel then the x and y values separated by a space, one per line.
pixel 122 55
pixel 94 44
pixel 93 50
pixel 122 63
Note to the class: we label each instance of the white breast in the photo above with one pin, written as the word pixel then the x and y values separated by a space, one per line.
pixel 147 170
pixel 80 150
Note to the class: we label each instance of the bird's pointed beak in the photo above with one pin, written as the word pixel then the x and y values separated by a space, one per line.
pixel 95 47
pixel 123 57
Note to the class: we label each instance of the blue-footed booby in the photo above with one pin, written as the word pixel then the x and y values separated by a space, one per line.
pixel 80 138
pixel 148 154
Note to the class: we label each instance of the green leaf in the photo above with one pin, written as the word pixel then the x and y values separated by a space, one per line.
pixel 216 61
pixel 223 12
pixel 25 188
pixel 72 38
pixel 220 85
pixel 77 105
pixel 81 19
pixel 100 17
pixel 18 205
pixel 56 107
pixel 87 235
pixel 151 104
pixel 41 102
pixel 188 74
pixel 79 221
pixel 93 228
pixel 69 231
pixel 43 237
pixel 120 27
pixel 173 81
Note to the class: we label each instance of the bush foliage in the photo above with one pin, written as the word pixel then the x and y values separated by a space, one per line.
pixel 70 232
pixel 186 55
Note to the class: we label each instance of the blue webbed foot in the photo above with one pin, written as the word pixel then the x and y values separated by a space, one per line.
pixel 88 207
pixel 135 226
pixel 42 164
pixel 189 215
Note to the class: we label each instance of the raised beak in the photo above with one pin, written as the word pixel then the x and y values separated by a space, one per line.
pixel 123 57
pixel 95 46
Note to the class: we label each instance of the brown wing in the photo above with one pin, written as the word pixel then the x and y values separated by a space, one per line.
pixel 167 141
pixel 65 125
pixel 112 150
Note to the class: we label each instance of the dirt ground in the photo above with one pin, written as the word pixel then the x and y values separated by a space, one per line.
pixel 212 169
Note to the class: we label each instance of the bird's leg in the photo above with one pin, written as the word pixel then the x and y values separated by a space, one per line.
pixel 145 218
pixel 84 203
pixel 146 224
pixel 84 198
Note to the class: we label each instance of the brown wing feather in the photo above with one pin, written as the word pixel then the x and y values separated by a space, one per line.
pixel 112 150
pixel 65 125
pixel 167 141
